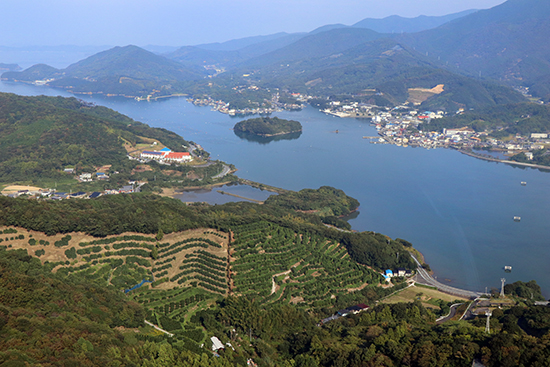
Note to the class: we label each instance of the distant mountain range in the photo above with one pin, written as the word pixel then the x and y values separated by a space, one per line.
pixel 475 55
pixel 129 71
pixel 9 67
pixel 508 42
pixel 397 24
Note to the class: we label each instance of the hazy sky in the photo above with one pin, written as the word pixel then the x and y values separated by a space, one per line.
pixel 188 22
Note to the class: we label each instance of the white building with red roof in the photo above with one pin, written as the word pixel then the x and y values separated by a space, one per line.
pixel 177 157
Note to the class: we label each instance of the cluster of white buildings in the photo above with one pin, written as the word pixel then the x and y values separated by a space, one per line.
pixel 166 155
pixel 402 129
pixel 223 107
pixel 88 177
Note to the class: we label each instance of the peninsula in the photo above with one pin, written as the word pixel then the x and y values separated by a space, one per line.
pixel 268 126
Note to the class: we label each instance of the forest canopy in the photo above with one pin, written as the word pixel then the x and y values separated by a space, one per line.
pixel 39 136
pixel 324 201
pixel 268 126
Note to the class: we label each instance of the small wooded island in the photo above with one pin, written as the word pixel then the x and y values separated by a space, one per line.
pixel 268 126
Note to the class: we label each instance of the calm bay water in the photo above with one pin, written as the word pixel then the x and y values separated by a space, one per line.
pixel 457 210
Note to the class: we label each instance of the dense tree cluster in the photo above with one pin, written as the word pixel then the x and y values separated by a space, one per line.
pixel 40 136
pixel 268 126
pixel 325 201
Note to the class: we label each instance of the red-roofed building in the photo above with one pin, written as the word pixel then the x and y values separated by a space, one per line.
pixel 177 157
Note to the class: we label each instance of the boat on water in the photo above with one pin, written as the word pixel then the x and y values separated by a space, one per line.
pixel 517 219
pixel 523 183
pixel 507 268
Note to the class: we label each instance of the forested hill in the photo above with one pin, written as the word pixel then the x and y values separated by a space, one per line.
pixel 325 201
pixel 39 136
pixel 367 61
pixel 507 42
pixel 268 126
pixel 512 119
pixel 116 214
pixel 59 319
pixel 129 71
pixel 51 320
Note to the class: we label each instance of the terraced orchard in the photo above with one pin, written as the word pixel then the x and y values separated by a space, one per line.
pixel 281 265
pixel 183 273
pixel 173 278
pixel 196 258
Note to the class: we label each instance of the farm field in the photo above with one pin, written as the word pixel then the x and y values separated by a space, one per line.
pixel 430 298
pixel 178 275
pixel 277 264
pixel 125 260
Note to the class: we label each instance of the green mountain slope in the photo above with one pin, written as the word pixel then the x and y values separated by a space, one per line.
pixel 397 24
pixel 240 43
pixel 35 72
pixel 284 282
pixel 507 42
pixel 41 135
pixel 382 65
pixel 512 119
pixel 9 67
pixel 315 46
pixel 130 62
pixel 129 71
pixel 228 56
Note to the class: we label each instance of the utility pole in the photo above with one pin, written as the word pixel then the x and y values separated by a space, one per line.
pixel 488 325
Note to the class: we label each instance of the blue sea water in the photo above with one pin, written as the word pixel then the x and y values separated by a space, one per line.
pixel 457 210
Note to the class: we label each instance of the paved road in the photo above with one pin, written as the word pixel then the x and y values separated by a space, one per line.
pixel 157 328
pixel 451 314
pixel 423 277
pixel 226 169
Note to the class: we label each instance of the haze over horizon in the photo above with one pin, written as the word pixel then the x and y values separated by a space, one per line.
pixel 179 23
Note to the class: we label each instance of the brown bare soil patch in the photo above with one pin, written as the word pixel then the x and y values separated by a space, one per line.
pixel 358 288
pixel 104 168
pixel 142 168
pixel 419 95
pixel 168 191
pixel 180 256
pixel 15 188
pixel 192 175
pixel 55 254
pixel 296 300
pixel 129 147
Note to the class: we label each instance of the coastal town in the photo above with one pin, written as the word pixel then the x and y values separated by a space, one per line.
pixel 409 129
pixel 404 125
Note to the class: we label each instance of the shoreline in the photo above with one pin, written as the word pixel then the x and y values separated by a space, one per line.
pixel 272 135
pixel 76 93
pixel 512 163
pixel 172 192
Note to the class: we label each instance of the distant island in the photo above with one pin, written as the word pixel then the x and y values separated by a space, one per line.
pixel 9 67
pixel 268 126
